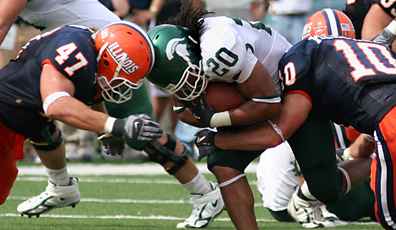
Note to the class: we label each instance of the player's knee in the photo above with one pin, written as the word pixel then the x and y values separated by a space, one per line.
pixel 165 155
pixel 223 172
pixel 51 139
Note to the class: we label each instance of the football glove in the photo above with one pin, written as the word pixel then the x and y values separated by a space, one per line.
pixel 204 142
pixel 137 128
pixel 111 145
pixel 202 112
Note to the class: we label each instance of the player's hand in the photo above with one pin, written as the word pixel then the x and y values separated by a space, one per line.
pixel 202 112
pixel 137 128
pixel 204 141
pixel 111 145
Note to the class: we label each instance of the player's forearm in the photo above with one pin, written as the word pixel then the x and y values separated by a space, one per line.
pixel 257 138
pixel 375 22
pixel 156 6
pixel 77 114
pixel 253 112
pixel 363 147
pixel 265 100
pixel 121 7
pixel 9 10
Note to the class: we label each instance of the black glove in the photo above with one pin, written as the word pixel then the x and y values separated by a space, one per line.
pixel 111 145
pixel 137 128
pixel 202 112
pixel 204 141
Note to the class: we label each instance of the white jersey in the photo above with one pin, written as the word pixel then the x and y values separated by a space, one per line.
pixel 230 48
pixel 49 14
pixel 277 177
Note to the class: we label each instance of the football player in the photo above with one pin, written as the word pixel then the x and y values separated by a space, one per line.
pixel 57 76
pixel 278 173
pixel 47 15
pixel 346 81
pixel 247 56
pixel 205 196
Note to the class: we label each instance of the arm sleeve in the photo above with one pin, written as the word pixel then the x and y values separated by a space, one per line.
pixel 388 6
pixel 226 57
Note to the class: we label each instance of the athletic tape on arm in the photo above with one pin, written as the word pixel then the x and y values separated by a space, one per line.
pixel 52 98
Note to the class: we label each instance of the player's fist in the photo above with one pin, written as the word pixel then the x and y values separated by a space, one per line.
pixel 204 141
pixel 203 112
pixel 111 145
pixel 137 128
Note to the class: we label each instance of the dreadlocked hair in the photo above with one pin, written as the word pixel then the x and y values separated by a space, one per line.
pixel 190 17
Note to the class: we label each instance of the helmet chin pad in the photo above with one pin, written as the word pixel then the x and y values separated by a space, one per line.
pixel 118 90
pixel 191 85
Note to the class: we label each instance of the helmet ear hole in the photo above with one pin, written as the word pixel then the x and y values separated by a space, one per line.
pixel 106 63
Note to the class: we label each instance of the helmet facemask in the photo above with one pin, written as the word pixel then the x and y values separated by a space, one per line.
pixel 118 89
pixel 191 85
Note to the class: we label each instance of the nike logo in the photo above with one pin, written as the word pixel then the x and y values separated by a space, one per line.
pixel 214 204
pixel 178 109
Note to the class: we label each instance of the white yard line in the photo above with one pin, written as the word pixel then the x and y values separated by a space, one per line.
pixel 97 179
pixel 151 217
pixel 113 169
pixel 119 200
pixel 131 217
pixel 94 179
pixel 124 200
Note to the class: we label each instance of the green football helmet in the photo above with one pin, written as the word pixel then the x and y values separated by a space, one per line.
pixel 177 67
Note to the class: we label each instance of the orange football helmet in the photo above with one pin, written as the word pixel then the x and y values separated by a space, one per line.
pixel 125 56
pixel 329 22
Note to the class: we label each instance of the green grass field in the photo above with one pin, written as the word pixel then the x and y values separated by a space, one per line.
pixel 124 202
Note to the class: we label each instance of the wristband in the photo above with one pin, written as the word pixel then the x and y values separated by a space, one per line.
pixel 221 119
pixel 118 128
pixel 108 127
pixel 391 27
